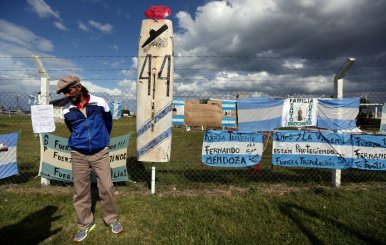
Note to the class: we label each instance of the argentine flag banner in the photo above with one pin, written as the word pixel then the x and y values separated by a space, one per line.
pixel 369 152
pixel 229 113
pixel 338 114
pixel 259 114
pixel 116 109
pixel 382 128
pixel 296 148
pixel 178 112
pixel 8 162
pixel 223 148
pixel 55 158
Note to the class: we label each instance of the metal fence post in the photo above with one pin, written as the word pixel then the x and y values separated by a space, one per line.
pixel 44 97
pixel 338 93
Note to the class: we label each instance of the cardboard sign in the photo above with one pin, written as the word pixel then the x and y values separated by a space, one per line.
pixel 199 113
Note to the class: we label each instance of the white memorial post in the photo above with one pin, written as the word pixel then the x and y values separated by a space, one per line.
pixel 44 97
pixel 338 93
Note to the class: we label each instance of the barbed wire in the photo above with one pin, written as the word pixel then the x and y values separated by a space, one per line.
pixel 187 79
pixel 192 56
pixel 193 69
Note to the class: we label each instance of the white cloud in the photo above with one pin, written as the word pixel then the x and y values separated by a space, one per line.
pixel 82 26
pixel 93 88
pixel 23 37
pixel 292 34
pixel 115 47
pixel 60 26
pixel 104 28
pixel 43 9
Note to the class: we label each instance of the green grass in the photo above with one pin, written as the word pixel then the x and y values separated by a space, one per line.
pixel 251 216
pixel 196 204
pixel 184 171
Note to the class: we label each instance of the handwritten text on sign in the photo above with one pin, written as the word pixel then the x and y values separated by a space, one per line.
pixel 231 149
pixel 312 149
pixel 56 158
pixel 369 152
pixel 42 118
pixel 299 112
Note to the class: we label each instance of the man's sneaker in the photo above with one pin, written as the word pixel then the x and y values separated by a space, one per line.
pixel 82 234
pixel 116 227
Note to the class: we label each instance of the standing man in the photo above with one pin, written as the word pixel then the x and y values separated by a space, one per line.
pixel 89 120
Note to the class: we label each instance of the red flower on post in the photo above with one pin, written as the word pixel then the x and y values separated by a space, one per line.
pixel 157 12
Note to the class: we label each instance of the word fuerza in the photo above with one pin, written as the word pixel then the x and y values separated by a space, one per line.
pixel 233 137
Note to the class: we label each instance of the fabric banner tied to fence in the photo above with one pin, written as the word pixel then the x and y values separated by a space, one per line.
pixel 259 114
pixel 369 152
pixel 327 149
pixel 55 159
pixel 231 149
pixel 8 159
pixel 338 114
pixel 382 128
pixel 116 109
pixel 311 149
pixel 265 114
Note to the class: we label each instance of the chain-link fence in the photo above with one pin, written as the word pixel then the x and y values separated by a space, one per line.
pixel 185 169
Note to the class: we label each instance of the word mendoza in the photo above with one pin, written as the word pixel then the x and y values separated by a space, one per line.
pixel 225 160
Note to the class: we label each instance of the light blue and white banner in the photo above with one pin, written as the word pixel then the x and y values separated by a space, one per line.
pixel 382 128
pixel 55 158
pixel 296 148
pixel 8 159
pixel 338 114
pixel 178 106
pixel 116 109
pixel 231 149
pixel 369 152
pixel 259 114
pixel 229 113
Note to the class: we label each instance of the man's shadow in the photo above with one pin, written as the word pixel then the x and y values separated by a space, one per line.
pixel 33 229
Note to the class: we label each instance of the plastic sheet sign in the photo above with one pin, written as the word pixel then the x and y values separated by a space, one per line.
pixel 231 149
pixel 369 152
pixel 42 118
pixel 312 149
pixel 55 159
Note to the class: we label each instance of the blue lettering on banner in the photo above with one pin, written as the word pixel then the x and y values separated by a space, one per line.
pixel 62 153
pixel 231 149
pixel 327 149
pixel 369 152
pixel 312 149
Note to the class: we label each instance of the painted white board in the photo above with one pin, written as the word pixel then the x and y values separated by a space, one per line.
pixel 155 91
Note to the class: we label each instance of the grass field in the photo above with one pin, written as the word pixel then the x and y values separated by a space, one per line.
pixel 257 215
pixel 196 204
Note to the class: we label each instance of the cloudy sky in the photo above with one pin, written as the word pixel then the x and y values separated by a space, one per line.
pixel 265 46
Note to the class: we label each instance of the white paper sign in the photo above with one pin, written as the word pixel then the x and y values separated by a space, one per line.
pixel 42 118
pixel 299 112
pixel 382 129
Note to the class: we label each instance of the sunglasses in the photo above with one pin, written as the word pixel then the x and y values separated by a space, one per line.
pixel 68 89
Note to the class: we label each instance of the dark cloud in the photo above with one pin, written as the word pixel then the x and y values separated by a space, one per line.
pixel 294 42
